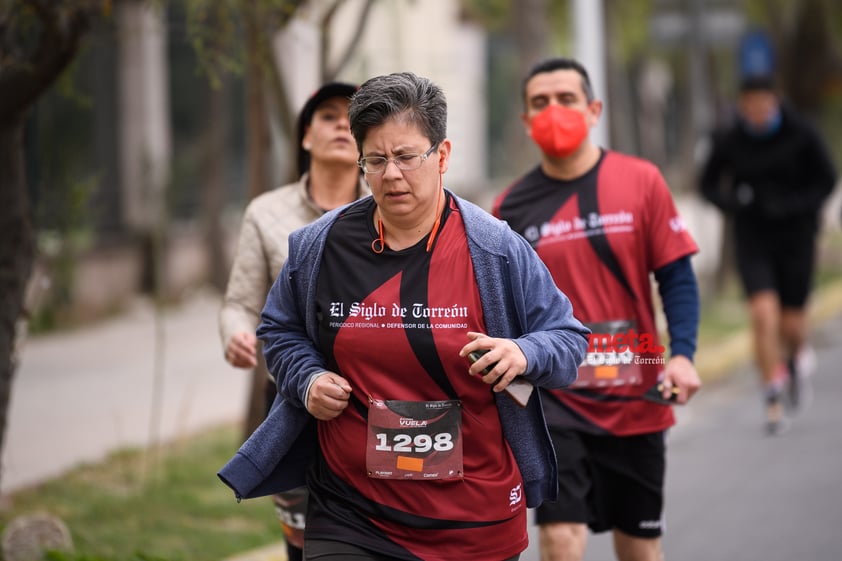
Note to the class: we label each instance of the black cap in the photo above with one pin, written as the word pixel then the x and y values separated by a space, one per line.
pixel 327 91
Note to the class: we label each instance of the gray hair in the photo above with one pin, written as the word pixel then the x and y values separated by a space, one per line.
pixel 401 95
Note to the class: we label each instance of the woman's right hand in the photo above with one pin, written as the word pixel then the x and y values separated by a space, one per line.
pixel 328 396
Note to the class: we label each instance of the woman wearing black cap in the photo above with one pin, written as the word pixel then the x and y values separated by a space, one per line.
pixel 329 178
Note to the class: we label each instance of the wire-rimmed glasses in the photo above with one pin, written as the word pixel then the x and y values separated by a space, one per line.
pixel 405 162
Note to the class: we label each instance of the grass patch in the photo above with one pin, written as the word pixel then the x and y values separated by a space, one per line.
pixel 167 506
pixel 722 317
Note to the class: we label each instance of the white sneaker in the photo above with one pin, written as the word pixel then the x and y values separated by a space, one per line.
pixel 799 387
pixel 805 361
pixel 776 422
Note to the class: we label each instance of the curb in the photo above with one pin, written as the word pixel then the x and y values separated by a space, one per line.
pixel 272 552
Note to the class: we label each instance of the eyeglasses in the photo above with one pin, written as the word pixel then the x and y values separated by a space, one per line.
pixel 405 162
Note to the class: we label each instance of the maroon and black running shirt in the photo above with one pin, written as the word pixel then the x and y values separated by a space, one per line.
pixel 601 235
pixel 392 324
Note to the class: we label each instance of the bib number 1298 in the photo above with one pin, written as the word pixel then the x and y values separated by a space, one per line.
pixel 420 443
pixel 418 440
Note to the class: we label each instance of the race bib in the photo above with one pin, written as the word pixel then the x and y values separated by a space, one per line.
pixel 292 511
pixel 414 440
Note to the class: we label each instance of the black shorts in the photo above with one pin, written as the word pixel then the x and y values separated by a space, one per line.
pixel 609 482
pixel 781 261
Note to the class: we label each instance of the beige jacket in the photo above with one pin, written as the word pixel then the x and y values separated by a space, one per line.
pixel 261 251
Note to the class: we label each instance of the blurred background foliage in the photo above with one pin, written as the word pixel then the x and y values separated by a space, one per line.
pixel 71 141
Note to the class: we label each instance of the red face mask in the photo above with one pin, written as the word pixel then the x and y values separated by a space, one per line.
pixel 559 131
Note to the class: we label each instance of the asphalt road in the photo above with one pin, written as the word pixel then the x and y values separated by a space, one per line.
pixel 735 493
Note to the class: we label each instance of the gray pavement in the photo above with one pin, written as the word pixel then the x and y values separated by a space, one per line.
pixel 127 382
pixel 737 494
pixel 734 493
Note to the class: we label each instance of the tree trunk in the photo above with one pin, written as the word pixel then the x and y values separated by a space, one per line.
pixel 17 253
pixel 26 74
pixel 213 181
pixel 258 144
pixel 530 28
pixel 808 57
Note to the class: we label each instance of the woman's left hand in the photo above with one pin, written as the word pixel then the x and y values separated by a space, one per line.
pixel 680 373
pixel 504 359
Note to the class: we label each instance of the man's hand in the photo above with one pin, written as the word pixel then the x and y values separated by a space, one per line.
pixel 509 358
pixel 241 351
pixel 328 396
pixel 681 373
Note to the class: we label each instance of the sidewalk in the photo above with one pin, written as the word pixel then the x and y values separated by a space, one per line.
pixel 79 395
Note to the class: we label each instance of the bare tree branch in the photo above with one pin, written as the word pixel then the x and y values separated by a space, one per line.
pixel 23 81
pixel 325 38
pixel 330 72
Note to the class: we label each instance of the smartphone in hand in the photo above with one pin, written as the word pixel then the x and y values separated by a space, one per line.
pixel 656 394
pixel 519 389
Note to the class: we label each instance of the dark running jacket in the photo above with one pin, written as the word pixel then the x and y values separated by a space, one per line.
pixel 776 180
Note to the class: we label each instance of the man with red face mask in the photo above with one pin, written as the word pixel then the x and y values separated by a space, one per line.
pixel 602 222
